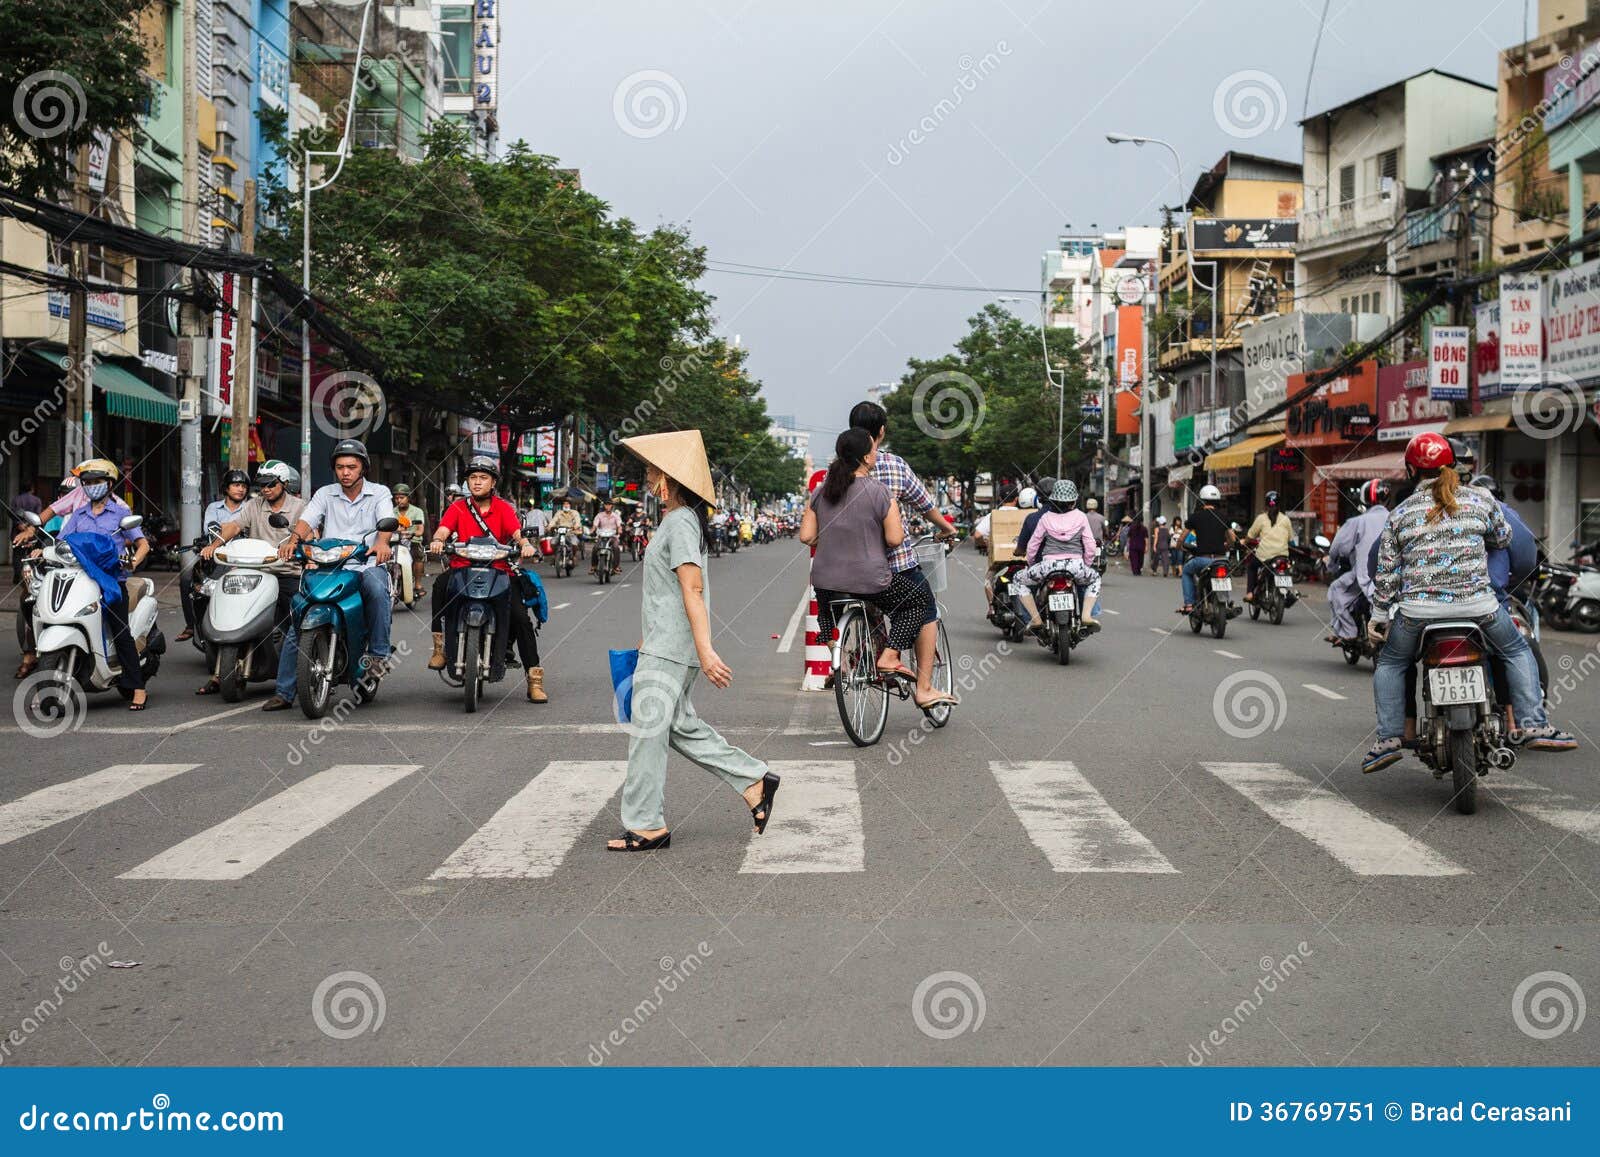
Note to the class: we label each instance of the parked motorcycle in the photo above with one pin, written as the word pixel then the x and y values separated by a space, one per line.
pixel 606 561
pixel 165 550
pixel 1214 604
pixel 69 625
pixel 243 637
pixel 472 656
pixel 331 623
pixel 1461 729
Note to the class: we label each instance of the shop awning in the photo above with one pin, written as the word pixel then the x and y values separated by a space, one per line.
pixel 1119 494
pixel 1391 465
pixel 1478 423
pixel 127 396
pixel 1242 454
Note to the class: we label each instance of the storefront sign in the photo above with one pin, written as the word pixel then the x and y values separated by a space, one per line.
pixel 1207 233
pixel 1226 482
pixel 105 309
pixel 99 161
pixel 1282 461
pixel 1572 327
pixel 224 344
pixel 1183 433
pixel 485 55
pixel 1320 420
pixel 1571 86
pixel 1404 407
pixel 1448 373
pixel 1272 351
pixel 1358 426
pixel 1521 353
pixel 1486 350
pixel 1130 343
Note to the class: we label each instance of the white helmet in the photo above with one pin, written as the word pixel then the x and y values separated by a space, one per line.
pixel 1029 497
pixel 1092 504
pixel 1209 493
pixel 1161 520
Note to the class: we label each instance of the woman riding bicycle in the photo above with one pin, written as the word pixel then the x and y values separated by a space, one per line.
pixel 852 521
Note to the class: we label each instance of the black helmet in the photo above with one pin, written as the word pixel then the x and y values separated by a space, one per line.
pixel 350 448
pixel 483 464
pixel 1272 498
pixel 1490 483
pixel 235 476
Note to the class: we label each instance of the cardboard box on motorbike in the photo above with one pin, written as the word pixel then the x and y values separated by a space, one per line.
pixel 1004 526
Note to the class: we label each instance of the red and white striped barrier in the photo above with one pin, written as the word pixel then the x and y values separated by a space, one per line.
pixel 819 658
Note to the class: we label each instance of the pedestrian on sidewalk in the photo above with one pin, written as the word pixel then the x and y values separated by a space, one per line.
pixel 675 646
pixel 1175 547
pixel 1138 536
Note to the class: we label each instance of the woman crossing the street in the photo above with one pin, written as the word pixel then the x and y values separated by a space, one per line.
pixel 674 648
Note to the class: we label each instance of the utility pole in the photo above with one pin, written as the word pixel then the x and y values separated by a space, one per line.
pixel 80 368
pixel 1466 216
pixel 189 380
pixel 244 356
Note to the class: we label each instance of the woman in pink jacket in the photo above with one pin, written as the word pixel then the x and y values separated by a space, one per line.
pixel 1063 541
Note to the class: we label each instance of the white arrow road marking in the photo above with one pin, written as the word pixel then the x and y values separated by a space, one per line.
pixel 816 821
pixel 64 801
pixel 1323 691
pixel 530 836
pixel 1071 823
pixel 238 846
pixel 1361 842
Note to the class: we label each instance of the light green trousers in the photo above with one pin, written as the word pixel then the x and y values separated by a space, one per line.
pixel 664 718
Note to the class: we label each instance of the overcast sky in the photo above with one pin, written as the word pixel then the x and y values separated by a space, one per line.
pixel 782 136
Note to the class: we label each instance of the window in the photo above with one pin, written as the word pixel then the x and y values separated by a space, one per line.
pixel 1389 165
pixel 1347 184
pixel 455 38
pixel 1344 305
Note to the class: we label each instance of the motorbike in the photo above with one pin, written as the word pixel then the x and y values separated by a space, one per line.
pixel 1461 729
pixel 331 623
pixel 1305 563
pixel 164 549
pixel 638 540
pixel 68 623
pixel 1274 591
pixel 731 540
pixel 606 562
pixel 566 550
pixel 474 635
pixel 719 536
pixel 1214 604
pixel 1063 630
pixel 402 574
pixel 1005 611
pixel 205 571
pixel 243 637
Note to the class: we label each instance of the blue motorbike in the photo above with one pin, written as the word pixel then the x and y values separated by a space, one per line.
pixel 331 623
pixel 475 627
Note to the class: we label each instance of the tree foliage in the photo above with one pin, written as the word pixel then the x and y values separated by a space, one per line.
pixel 67 70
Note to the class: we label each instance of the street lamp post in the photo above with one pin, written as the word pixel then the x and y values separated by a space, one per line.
pixel 1146 450
pixel 306 189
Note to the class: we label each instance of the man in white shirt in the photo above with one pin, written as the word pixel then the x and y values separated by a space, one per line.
pixel 608 519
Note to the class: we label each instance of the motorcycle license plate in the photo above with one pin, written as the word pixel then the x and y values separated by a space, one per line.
pixel 1222 584
pixel 1449 686
pixel 1060 600
pixel 1285 582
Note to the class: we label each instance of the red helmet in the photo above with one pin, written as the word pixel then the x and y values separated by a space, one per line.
pixel 1429 452
pixel 1374 492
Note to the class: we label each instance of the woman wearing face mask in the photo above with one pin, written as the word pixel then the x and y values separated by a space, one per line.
pixel 102 513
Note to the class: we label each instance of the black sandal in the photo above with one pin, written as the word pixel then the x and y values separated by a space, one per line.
pixel 762 812
pixel 132 706
pixel 210 687
pixel 634 842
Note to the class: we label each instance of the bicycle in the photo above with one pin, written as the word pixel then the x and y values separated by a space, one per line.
pixel 860 689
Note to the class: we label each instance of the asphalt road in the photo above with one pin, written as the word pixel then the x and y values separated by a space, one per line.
pixel 1165 853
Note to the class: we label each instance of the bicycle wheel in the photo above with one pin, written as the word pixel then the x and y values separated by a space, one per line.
pixel 943 678
pixel 861 695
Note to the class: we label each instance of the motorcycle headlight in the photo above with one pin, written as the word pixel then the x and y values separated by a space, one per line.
pixel 238 584
pixel 329 555
pixel 481 552
pixel 208 587
pixel 91 609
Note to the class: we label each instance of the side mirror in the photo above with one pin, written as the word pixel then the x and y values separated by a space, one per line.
pixel 278 521
pixel 388 525
pixel 212 528
pixel 31 518
pixel 1322 541
pixel 132 522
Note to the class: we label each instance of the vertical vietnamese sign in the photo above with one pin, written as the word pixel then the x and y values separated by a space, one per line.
pixel 224 343
pixel 1447 363
pixel 1521 330
pixel 1130 366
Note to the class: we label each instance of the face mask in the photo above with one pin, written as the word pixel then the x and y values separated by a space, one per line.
pixel 97 490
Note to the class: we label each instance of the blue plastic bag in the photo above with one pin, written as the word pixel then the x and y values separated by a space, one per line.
pixel 531 589
pixel 623 665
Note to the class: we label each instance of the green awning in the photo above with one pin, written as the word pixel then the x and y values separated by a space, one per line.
pixel 127 396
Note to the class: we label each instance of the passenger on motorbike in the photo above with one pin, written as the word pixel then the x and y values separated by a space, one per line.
pixel 102 513
pixel 1030 500
pixel 1271 532
pixel 1433 564
pixel 485 514
pixel 607 519
pixel 1350 550
pixel 1211 538
pixel 279 485
pixel 350 509
pixel 1062 542
pixel 1097 521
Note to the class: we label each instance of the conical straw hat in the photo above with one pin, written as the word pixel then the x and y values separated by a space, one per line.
pixel 681 456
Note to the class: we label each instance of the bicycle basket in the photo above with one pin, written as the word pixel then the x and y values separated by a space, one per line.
pixel 934 562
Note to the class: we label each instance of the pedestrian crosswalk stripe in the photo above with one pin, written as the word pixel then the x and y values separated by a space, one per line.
pixel 1569 815
pixel 816 825
pixel 1071 823
pixel 1361 842
pixel 65 801
pixel 246 842
pixel 530 836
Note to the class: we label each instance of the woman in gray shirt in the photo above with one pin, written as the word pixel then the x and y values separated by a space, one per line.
pixel 675 646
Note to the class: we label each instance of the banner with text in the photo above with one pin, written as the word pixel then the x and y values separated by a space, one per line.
pixel 1447 363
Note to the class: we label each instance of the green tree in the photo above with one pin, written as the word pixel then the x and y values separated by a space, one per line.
pixel 67 70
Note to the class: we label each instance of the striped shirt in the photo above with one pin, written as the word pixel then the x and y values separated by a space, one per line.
pixel 892 471
pixel 1439 569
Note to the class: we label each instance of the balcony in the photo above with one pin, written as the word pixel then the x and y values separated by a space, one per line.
pixel 1349 220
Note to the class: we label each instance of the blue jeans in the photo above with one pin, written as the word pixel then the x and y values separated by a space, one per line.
pixel 1400 652
pixel 1190 569
pixel 376 604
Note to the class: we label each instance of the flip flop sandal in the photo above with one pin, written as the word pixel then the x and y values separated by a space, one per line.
pixel 938 700
pixel 902 670
pixel 211 688
pixel 762 812
pixel 634 842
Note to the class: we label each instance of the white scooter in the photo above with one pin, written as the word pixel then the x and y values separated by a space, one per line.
pixel 69 627
pixel 240 625
pixel 402 575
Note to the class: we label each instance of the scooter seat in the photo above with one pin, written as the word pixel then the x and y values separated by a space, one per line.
pixel 139 589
